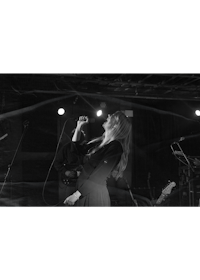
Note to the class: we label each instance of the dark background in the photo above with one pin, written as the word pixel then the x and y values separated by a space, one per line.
pixel 157 123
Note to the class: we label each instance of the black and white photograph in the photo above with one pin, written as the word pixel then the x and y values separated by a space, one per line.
pixel 100 140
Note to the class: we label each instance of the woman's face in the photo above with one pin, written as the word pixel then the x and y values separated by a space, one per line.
pixel 107 125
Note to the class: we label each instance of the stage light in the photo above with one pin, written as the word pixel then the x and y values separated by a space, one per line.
pixel 197 113
pixel 99 113
pixel 61 111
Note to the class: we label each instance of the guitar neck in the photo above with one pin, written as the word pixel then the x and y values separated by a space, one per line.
pixel 161 198
pixel 165 192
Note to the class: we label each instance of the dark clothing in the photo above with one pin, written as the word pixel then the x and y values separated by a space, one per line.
pixel 96 169
pixel 68 158
pixel 120 183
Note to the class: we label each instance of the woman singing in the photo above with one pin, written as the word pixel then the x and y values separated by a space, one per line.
pixel 102 155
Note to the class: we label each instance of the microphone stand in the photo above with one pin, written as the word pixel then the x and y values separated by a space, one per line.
pixel 181 153
pixel 26 123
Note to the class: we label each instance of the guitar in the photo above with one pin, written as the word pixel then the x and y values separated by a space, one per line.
pixel 165 192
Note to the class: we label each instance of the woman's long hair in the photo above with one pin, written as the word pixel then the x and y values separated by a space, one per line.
pixel 121 131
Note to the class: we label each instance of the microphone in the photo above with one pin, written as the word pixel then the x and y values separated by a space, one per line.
pixel 179 140
pixel 90 120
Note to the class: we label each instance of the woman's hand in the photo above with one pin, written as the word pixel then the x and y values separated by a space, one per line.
pixel 70 200
pixel 82 121
pixel 77 133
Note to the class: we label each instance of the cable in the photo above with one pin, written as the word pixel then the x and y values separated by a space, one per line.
pixel 53 163
pixel 131 194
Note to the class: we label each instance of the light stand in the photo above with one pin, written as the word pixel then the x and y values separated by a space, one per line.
pixel 26 123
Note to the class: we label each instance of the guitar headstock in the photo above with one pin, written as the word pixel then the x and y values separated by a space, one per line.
pixel 167 190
